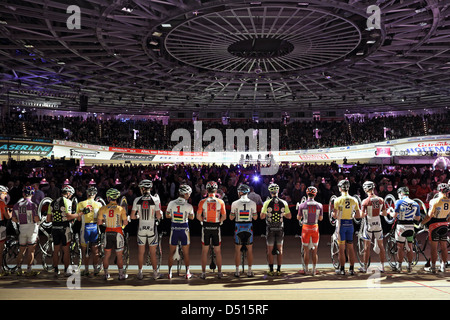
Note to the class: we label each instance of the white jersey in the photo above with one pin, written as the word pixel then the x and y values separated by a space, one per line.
pixel 180 210
pixel 243 209
pixel 146 207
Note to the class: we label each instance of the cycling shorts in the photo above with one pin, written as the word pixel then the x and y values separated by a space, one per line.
pixel 310 234
pixel 211 234
pixel 28 234
pixel 61 235
pixel 179 233
pixel 243 233
pixel 273 234
pixel 89 234
pixel 346 231
pixel 438 231
pixel 404 232
pixel 114 240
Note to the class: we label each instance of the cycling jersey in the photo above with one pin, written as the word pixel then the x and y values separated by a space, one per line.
pixel 90 214
pixel 113 215
pixel 243 209
pixel 58 210
pixel 274 209
pixel 179 210
pixel 211 209
pixel 372 207
pixel 407 210
pixel 146 206
pixel 310 211
pixel 25 211
pixel 439 212
pixel 345 206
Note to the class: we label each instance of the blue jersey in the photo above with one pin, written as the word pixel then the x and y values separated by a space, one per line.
pixel 407 209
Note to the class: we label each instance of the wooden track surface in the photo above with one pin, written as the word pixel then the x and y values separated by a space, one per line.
pixel 291 285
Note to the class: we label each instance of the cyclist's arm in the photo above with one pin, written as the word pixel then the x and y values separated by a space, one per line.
pixel 232 212
pixel 14 214
pixel 124 218
pixel 223 212
pixel 200 211
pixel 321 213
pixel 264 209
pixel 49 213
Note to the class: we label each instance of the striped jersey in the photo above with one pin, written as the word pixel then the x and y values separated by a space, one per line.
pixel 179 210
pixel 243 209
pixel 25 211
pixel 146 206
pixel 310 211
pixel 407 209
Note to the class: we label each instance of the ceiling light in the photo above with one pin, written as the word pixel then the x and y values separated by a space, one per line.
pixel 166 25
pixel 157 34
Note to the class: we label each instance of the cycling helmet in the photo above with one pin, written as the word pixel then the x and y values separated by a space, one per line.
pixel 273 188
pixel 403 190
pixel 211 186
pixel 68 189
pixel 146 184
pixel 443 187
pixel 368 185
pixel 243 188
pixel 184 189
pixel 311 191
pixel 112 194
pixel 3 189
pixel 28 191
pixel 344 185
pixel 91 191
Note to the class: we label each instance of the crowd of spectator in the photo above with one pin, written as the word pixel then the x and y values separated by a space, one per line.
pixel 155 135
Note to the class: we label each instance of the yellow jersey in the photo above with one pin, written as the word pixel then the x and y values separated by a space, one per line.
pixel 345 205
pixel 93 205
pixel 441 207
pixel 113 215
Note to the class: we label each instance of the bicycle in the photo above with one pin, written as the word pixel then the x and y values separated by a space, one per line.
pixel 334 237
pixel 11 251
pixel 391 243
pixel 178 256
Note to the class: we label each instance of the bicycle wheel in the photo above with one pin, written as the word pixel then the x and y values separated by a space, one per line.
pixel 212 255
pixel 47 254
pixel 330 210
pixel 391 251
pixel 243 257
pixel 334 251
pixel 302 255
pixel 180 259
pixel 42 212
pixel 10 253
pixel 423 208
pixel 360 246
pixel 75 252
pixel 389 202
pixel 415 253
pixel 126 252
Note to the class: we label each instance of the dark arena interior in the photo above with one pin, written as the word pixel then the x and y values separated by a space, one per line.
pixel 146 107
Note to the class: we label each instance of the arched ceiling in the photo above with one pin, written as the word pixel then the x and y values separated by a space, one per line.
pixel 150 56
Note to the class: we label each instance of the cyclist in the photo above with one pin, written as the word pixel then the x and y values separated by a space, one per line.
pixel 371 209
pixel 406 210
pixel 179 211
pixel 25 213
pixel 211 213
pixel 147 209
pixel 60 214
pixel 115 218
pixel 243 211
pixel 344 207
pixel 274 210
pixel 438 216
pixel 88 210
pixel 4 216
pixel 310 212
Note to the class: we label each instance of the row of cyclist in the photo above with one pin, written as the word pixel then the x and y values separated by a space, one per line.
pixel 102 226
